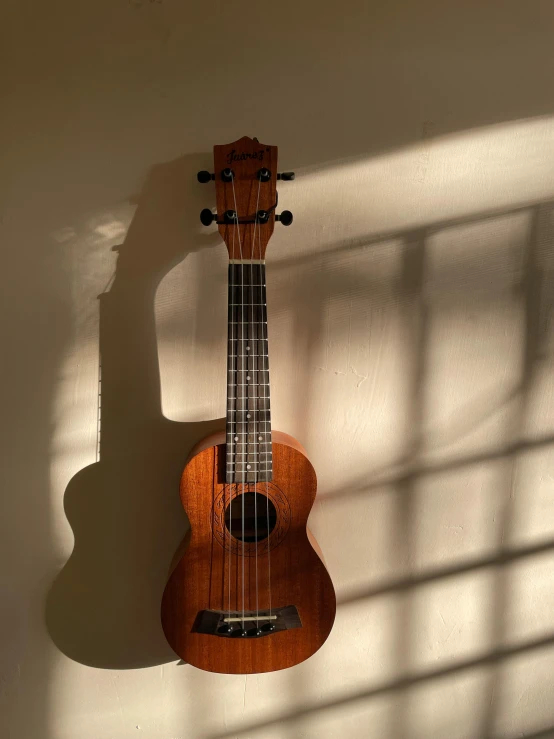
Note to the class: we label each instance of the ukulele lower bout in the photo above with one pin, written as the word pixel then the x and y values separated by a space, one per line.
pixel 250 593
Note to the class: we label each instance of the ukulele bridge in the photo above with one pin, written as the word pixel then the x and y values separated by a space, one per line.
pixel 247 624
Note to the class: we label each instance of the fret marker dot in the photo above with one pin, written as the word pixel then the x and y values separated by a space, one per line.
pixel 247 466
pixel 247 348
pixel 236 438
pixel 259 438
pixel 248 378
pixel 248 415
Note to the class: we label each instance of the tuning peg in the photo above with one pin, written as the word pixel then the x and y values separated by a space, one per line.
pixel 262 216
pixel 286 176
pixel 207 217
pixel 285 218
pixel 205 176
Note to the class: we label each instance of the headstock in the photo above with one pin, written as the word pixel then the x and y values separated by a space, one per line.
pixel 245 174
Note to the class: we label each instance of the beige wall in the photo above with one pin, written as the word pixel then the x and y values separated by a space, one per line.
pixel 411 336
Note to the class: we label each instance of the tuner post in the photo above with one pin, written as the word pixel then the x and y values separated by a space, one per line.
pixel 227 174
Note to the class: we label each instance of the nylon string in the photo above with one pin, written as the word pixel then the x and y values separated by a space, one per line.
pixel 258 386
pixel 233 457
pixel 236 392
pixel 266 344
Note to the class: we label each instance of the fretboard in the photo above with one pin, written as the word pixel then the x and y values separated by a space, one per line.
pixel 249 457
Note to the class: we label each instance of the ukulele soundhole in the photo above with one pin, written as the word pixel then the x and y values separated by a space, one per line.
pixel 250 517
pixel 270 533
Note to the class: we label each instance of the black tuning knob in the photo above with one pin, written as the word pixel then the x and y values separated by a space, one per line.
pixel 285 218
pixel 207 217
pixel 205 176
pixel 286 176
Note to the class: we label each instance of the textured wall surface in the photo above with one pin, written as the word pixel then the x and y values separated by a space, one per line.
pixel 411 339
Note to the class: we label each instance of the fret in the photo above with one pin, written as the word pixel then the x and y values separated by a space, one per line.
pixel 261 411
pixel 249 467
pixel 252 397
pixel 243 433
pixel 241 452
pixel 250 432
pixel 254 369
pixel 243 422
pixel 263 464
pixel 250 411
pixel 258 454
pixel 255 333
pixel 251 459
pixel 244 410
pixel 244 282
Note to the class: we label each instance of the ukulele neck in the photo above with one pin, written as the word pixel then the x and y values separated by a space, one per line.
pixel 249 455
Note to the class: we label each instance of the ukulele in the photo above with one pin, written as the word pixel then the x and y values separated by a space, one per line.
pixel 248 591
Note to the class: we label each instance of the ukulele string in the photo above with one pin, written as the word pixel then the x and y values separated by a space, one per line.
pixel 256 386
pixel 234 350
pixel 265 353
pixel 245 445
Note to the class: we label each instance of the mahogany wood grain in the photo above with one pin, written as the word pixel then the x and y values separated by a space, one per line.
pixel 200 579
pixel 246 157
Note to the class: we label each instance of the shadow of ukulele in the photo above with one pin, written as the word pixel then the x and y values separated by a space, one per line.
pixel 103 609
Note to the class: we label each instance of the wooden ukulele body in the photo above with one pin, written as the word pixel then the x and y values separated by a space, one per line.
pixel 215 572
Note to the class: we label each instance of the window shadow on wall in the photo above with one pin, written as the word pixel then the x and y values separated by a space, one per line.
pixel 535 293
